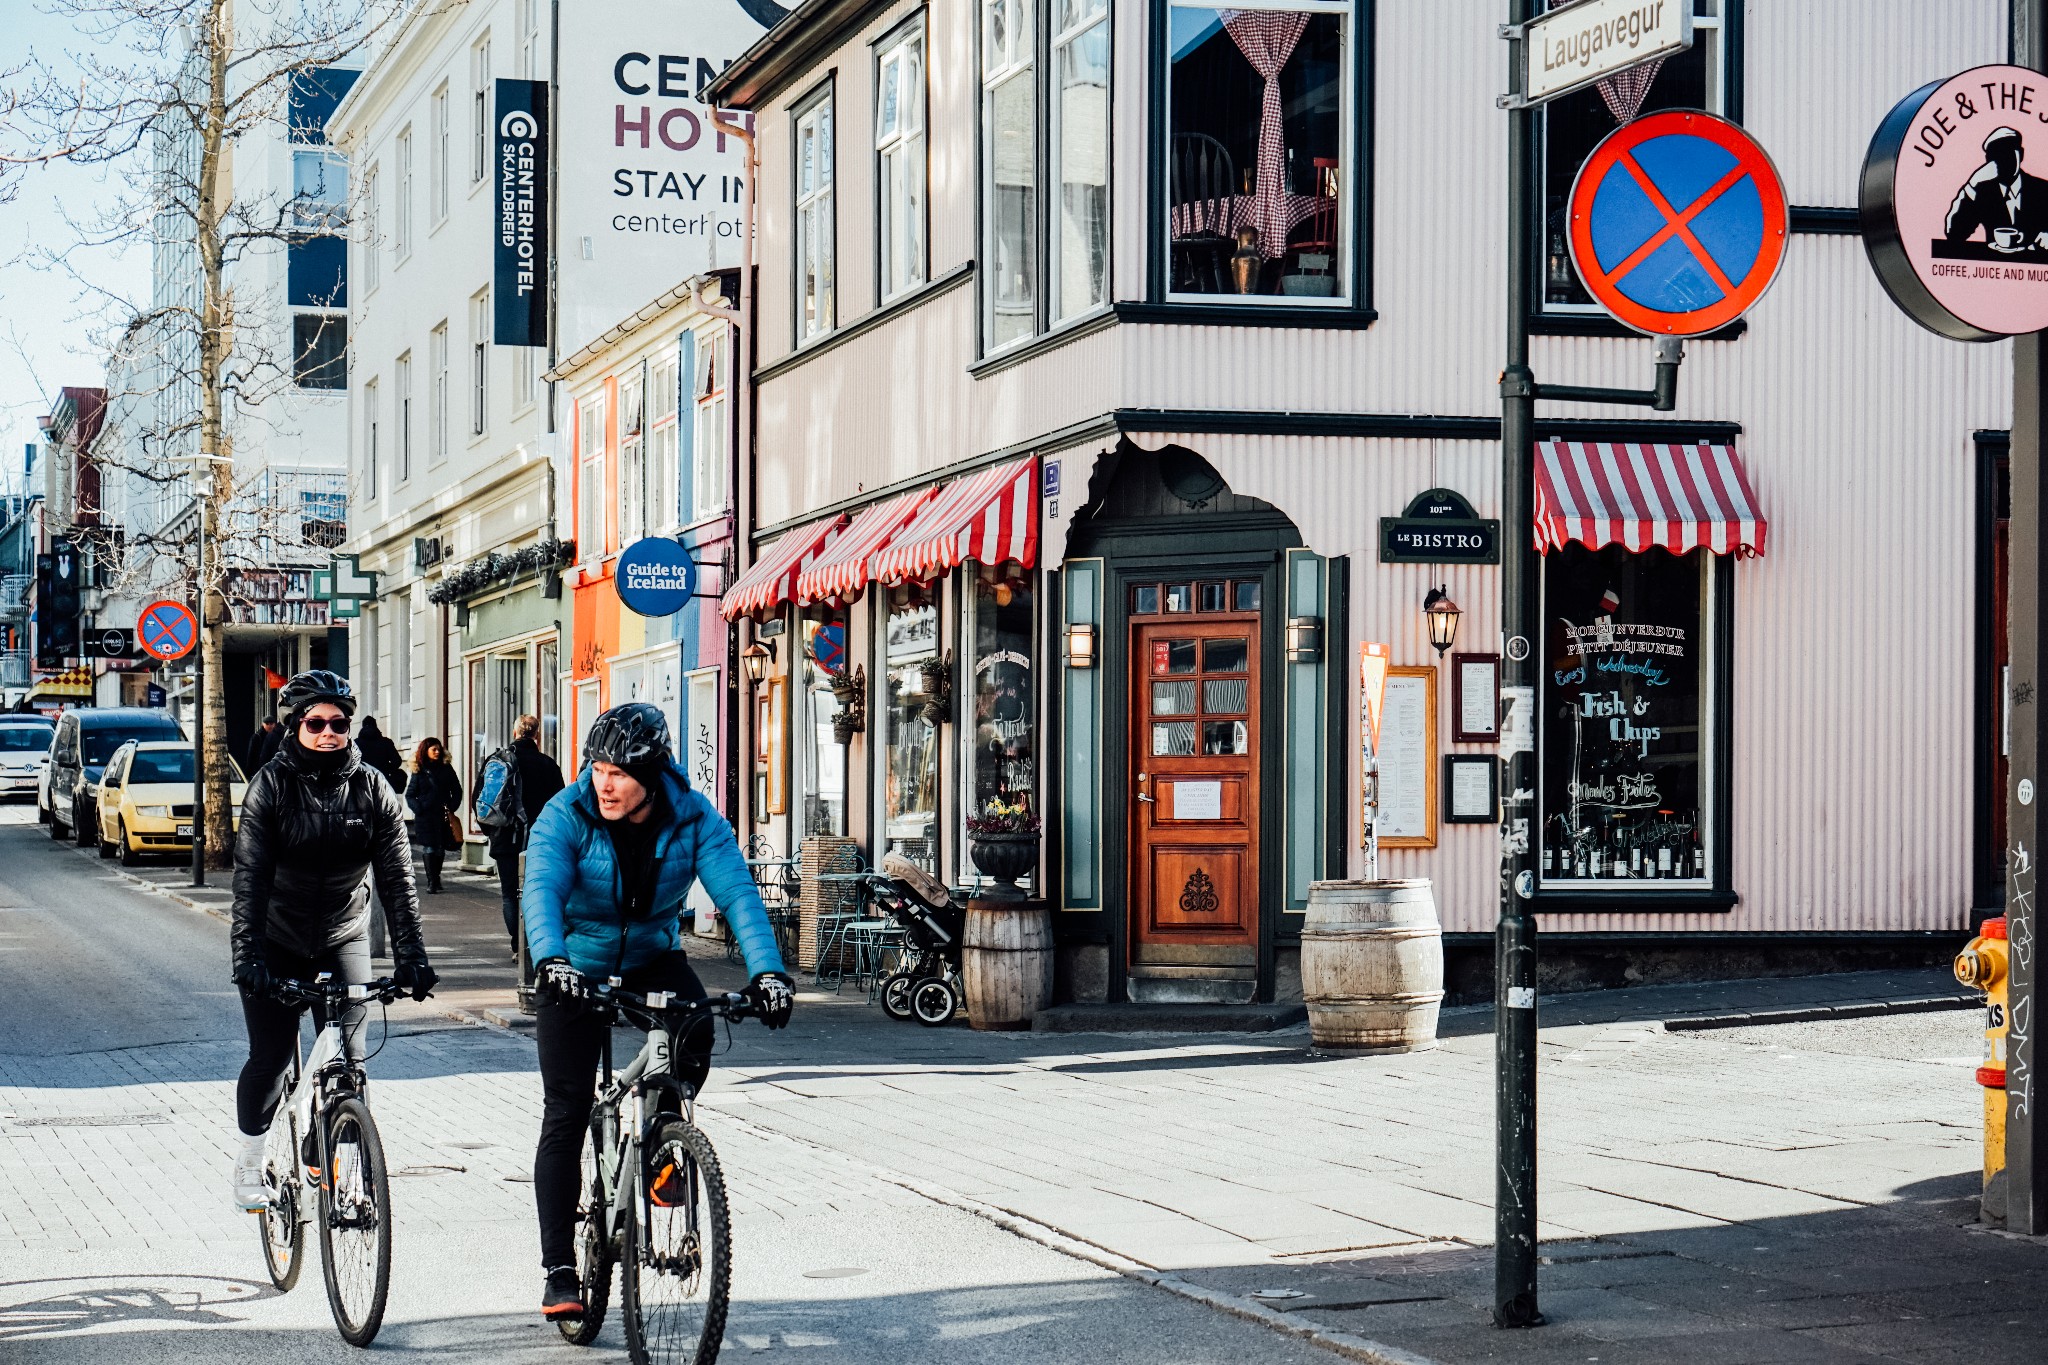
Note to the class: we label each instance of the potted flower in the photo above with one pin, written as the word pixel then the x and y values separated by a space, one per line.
pixel 1003 841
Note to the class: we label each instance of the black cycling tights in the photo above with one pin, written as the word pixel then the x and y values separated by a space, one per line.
pixel 571 1042
pixel 274 1027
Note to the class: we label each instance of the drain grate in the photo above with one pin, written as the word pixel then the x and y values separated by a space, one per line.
pixel 91 1120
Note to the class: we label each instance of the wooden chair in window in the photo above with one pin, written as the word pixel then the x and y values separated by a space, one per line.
pixel 1314 239
pixel 1200 188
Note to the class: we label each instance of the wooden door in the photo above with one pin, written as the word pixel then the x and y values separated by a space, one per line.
pixel 1195 790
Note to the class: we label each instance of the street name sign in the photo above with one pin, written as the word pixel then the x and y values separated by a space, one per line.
pixel 1579 45
pixel 1953 220
pixel 656 577
pixel 166 630
pixel 1678 223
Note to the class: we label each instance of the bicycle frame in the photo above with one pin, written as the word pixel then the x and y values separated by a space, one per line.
pixel 319 1079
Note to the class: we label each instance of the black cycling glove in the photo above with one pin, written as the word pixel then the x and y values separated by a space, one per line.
pixel 773 996
pixel 416 977
pixel 254 978
pixel 554 978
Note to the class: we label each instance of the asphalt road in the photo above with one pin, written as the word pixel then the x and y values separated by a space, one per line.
pixel 119 1040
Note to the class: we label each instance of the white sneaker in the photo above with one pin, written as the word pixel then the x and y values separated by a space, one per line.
pixel 250 1194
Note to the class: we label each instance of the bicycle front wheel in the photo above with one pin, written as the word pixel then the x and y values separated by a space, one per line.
pixel 677 1268
pixel 355 1222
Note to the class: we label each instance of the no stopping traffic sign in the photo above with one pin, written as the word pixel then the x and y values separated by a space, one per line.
pixel 166 630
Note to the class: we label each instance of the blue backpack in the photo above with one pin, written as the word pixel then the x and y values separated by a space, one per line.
pixel 498 801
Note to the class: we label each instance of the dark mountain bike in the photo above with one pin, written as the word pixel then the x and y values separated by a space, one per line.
pixel 323 1149
pixel 654 1206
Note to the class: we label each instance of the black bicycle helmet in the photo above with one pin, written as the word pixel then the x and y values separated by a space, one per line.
pixel 634 735
pixel 309 689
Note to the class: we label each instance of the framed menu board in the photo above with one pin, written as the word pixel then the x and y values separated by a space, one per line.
pixel 1407 759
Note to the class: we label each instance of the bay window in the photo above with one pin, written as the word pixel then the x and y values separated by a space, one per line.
pixel 1010 204
pixel 1080 157
pixel 900 160
pixel 1260 151
pixel 664 427
pixel 816 232
pixel 710 447
pixel 632 460
pixel 590 477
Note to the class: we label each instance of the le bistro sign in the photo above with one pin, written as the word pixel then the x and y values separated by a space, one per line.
pixel 1439 527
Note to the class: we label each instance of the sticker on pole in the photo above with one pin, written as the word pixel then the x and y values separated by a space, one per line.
pixel 1678 223
pixel 166 630
pixel 1954 223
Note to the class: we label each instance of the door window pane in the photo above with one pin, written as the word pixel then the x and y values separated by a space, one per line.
pixel 1223 656
pixel 1173 656
pixel 1145 601
pixel 1248 596
pixel 1173 699
pixel 1224 737
pixel 1626 689
pixel 1225 696
pixel 1175 739
pixel 1178 597
pixel 1256 151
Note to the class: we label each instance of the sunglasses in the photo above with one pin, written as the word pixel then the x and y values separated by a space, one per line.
pixel 315 724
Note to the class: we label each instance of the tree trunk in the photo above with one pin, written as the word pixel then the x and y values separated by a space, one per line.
pixel 213 473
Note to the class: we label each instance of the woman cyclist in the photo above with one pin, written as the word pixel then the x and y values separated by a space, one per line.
pixel 607 867
pixel 316 826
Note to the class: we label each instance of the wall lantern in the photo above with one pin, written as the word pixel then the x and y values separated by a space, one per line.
pixel 1443 616
pixel 1304 639
pixel 757 658
pixel 1080 645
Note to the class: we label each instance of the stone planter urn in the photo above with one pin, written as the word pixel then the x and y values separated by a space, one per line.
pixel 1004 858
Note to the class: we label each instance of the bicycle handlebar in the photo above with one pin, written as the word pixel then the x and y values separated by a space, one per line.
pixel 290 992
pixel 657 1005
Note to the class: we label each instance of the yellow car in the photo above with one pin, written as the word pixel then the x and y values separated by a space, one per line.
pixel 145 803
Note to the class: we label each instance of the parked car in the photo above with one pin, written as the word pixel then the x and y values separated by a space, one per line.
pixel 24 749
pixel 86 739
pixel 145 800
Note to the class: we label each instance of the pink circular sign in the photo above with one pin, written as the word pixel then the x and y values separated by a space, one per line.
pixel 1954 214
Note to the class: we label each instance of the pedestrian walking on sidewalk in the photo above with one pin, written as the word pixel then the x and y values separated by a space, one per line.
pixel 317 827
pixel 380 753
pixel 435 796
pixel 533 779
pixel 609 863
pixel 262 745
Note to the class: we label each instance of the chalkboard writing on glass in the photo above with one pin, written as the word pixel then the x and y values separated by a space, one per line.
pixel 1623 785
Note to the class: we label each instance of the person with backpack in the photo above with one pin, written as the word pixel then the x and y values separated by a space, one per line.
pixel 515 783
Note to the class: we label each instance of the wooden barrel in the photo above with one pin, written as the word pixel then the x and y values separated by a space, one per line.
pixel 1372 965
pixel 1007 962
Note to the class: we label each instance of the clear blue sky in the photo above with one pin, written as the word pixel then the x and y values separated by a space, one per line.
pixel 40 310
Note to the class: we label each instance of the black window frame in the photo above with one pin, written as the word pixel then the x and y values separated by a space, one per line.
pixel 916 19
pixel 818 92
pixel 1157 307
pixel 308 374
pixel 1718 691
pixel 1543 321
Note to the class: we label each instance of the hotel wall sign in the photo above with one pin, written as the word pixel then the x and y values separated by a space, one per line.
pixel 1953 218
pixel 1439 527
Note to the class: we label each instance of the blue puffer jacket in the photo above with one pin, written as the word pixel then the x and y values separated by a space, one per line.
pixel 571 894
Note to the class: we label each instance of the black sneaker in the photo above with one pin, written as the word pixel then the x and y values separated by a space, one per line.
pixel 563 1297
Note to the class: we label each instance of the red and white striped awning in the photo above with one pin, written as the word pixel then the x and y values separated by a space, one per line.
pixel 841 571
pixel 1676 497
pixel 990 517
pixel 771 580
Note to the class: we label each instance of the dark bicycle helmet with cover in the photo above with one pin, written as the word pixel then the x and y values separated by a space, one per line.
pixel 629 736
pixel 307 690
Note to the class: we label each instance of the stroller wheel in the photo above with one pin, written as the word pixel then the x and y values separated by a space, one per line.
pixel 896 995
pixel 934 1001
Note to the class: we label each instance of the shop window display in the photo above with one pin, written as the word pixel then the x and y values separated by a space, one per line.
pixel 1001 711
pixel 821 758
pixel 1627 712
pixel 910 739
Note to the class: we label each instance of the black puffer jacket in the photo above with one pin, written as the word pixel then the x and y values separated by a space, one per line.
pixel 308 846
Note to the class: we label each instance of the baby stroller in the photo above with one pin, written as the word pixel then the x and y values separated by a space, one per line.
pixel 926 986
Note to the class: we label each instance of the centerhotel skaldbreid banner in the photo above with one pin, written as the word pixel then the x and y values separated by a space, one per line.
pixel 651 192
pixel 519 216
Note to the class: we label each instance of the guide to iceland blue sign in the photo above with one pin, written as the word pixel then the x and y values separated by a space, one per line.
pixel 656 577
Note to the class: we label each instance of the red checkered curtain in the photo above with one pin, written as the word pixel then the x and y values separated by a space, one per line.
pixel 1267 39
pixel 1625 91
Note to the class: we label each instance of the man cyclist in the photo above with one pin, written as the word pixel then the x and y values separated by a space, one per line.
pixel 607 867
pixel 317 825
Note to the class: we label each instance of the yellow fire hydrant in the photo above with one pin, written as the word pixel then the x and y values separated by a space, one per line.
pixel 1983 965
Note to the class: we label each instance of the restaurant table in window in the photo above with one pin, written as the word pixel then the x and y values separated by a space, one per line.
pixel 1626 711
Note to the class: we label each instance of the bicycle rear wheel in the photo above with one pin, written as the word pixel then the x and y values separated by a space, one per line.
pixel 593 1256
pixel 355 1222
pixel 677 1268
pixel 283 1219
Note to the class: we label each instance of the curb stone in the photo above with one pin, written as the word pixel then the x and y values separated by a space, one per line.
pixel 1857 1010
pixel 1347 1344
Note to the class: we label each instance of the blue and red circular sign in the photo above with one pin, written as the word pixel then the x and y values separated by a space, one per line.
pixel 656 577
pixel 1678 223
pixel 166 630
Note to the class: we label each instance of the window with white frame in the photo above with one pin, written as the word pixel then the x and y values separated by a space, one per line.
pixel 632 458
pixel 1259 151
pixel 371 223
pixel 1080 158
pixel 709 448
pixel 401 663
pixel 437 414
pixel 525 375
pixel 1569 128
pixel 401 234
pixel 479 361
pixel 816 233
pixel 664 434
pixel 529 38
pixel 401 397
pixel 373 454
pixel 1009 101
pixel 590 477
pixel 480 109
pixel 439 153
pixel 900 159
